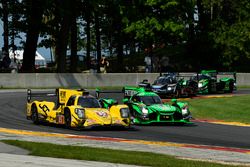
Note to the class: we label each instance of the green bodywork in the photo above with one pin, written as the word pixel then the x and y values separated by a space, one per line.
pixel 107 102
pixel 212 85
pixel 155 111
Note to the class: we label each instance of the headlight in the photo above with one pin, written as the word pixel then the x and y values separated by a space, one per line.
pixel 144 110
pixel 185 111
pixel 200 85
pixel 80 113
pixel 124 112
pixel 169 88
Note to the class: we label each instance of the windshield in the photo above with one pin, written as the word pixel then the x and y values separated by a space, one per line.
pixel 164 80
pixel 149 100
pixel 88 102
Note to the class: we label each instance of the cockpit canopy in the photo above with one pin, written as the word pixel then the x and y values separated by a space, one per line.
pixel 147 100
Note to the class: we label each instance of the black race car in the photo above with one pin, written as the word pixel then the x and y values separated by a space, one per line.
pixel 172 85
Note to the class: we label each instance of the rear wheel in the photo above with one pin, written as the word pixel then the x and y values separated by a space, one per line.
pixel 67 119
pixel 34 115
pixel 231 87
pixel 209 88
pixel 177 94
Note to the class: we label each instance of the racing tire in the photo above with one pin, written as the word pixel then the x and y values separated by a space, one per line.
pixel 209 89
pixel 34 115
pixel 176 94
pixel 231 87
pixel 67 117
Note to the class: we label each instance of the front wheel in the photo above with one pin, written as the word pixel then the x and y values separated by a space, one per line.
pixel 67 119
pixel 34 115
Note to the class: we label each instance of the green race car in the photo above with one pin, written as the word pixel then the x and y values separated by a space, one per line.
pixel 210 82
pixel 146 107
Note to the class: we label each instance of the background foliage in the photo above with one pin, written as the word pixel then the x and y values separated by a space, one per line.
pixel 192 34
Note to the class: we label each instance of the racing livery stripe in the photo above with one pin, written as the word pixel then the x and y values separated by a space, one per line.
pixel 129 141
pixel 98 138
pixel 31 133
pixel 218 148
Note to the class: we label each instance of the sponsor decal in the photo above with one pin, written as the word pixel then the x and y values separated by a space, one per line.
pixel 102 114
pixel 130 92
pixel 62 96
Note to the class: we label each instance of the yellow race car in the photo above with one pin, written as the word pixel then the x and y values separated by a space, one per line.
pixel 76 109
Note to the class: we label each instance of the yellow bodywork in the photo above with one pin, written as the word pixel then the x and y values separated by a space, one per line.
pixel 49 112
pixel 116 116
pixel 64 94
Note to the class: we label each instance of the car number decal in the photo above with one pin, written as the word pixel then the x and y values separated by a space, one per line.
pixel 129 92
pixel 44 108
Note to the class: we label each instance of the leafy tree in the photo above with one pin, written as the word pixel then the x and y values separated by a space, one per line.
pixel 74 36
pixel 4 15
pixel 231 31
pixel 219 37
pixel 35 11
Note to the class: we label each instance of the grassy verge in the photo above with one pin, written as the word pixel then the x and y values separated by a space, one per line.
pixel 243 87
pixel 228 109
pixel 107 155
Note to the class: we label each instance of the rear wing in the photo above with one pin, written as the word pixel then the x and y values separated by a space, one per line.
pixel 168 74
pixel 145 84
pixel 214 73
pixel 179 76
pixel 228 74
pixel 127 91
pixel 130 90
pixel 61 94
pixel 30 94
pixel 186 76
pixel 98 92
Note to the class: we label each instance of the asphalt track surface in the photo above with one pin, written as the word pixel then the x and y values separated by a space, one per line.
pixel 12 115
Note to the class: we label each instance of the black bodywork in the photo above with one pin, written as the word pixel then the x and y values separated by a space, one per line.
pixel 172 85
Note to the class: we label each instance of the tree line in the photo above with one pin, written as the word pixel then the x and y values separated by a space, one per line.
pixel 193 34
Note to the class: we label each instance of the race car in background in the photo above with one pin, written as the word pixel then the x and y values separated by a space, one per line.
pixel 75 109
pixel 146 107
pixel 172 85
pixel 211 81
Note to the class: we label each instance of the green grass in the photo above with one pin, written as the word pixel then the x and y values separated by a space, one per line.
pixel 107 155
pixel 243 87
pixel 235 108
